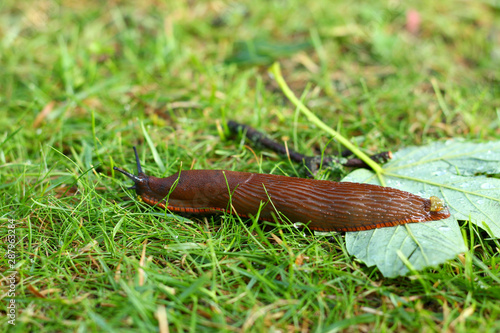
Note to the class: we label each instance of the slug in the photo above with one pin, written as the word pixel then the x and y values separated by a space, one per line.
pixel 320 204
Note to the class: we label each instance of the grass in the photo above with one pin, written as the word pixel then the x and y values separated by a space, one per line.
pixel 82 82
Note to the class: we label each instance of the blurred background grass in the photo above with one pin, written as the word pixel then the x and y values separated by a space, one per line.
pixel 77 79
pixel 207 60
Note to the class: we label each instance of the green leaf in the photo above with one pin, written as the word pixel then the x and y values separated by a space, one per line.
pixel 444 169
pixel 422 244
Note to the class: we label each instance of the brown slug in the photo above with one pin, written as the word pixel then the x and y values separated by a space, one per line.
pixel 320 204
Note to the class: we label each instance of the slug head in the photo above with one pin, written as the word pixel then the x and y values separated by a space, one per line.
pixel 141 180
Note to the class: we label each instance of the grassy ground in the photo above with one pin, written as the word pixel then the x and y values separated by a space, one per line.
pixel 82 82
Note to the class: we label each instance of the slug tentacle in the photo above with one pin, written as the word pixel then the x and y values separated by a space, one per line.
pixel 135 178
pixel 141 180
pixel 322 205
pixel 138 163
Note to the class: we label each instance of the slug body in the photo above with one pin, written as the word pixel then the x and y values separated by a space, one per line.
pixel 322 205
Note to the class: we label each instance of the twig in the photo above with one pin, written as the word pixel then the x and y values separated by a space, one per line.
pixel 312 163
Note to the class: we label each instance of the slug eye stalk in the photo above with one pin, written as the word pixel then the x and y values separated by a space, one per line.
pixel 137 162
pixel 131 176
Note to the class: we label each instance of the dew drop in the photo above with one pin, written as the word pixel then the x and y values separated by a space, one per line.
pixel 487 186
pixel 439 173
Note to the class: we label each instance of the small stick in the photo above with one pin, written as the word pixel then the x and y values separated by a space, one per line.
pixel 312 163
pixel 263 140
